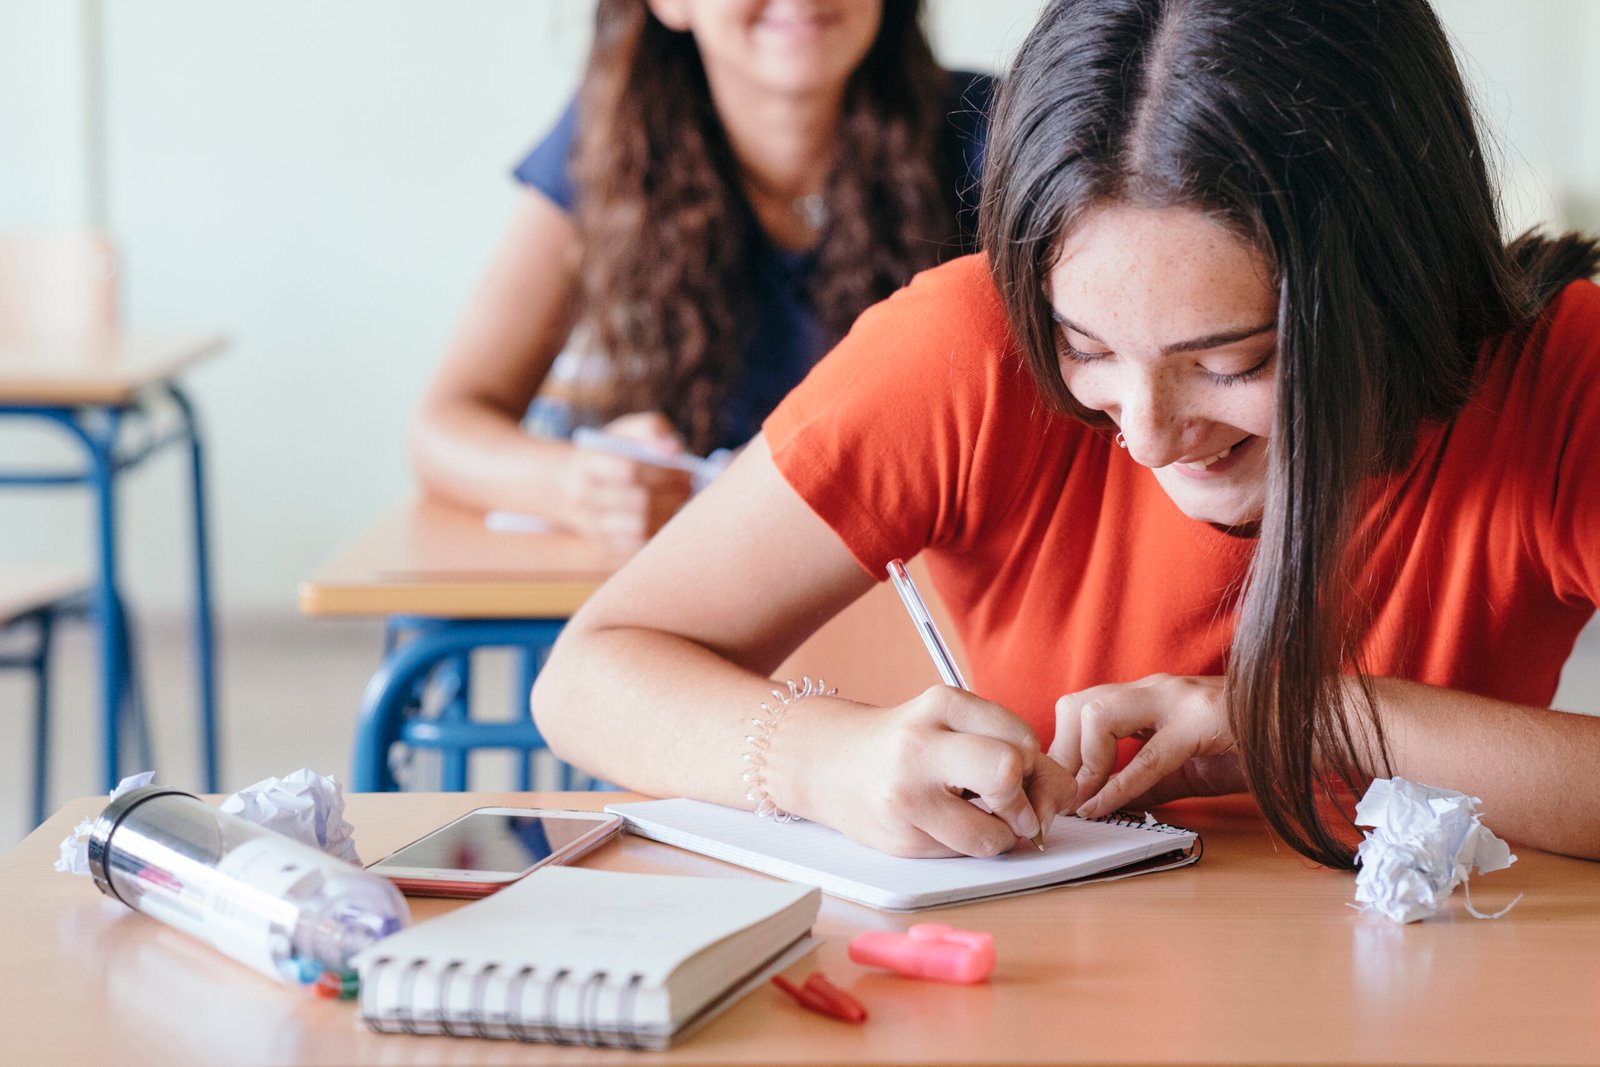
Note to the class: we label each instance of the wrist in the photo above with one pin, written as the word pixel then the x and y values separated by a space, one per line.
pixel 778 775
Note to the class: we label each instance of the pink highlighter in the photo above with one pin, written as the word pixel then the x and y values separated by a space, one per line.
pixel 928 950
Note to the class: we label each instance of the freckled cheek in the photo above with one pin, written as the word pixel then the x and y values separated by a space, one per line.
pixel 1251 410
pixel 1089 386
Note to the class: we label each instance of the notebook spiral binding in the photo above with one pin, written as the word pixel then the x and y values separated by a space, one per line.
pixel 1137 819
pixel 480 1017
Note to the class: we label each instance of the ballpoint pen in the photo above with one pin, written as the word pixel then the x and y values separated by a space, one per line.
pixel 934 642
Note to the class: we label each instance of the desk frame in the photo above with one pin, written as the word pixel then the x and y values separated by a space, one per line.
pixel 393 695
pixel 98 428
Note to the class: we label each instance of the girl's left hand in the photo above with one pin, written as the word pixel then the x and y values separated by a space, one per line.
pixel 1189 748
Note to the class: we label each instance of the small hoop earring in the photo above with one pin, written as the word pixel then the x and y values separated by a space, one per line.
pixel 1122 442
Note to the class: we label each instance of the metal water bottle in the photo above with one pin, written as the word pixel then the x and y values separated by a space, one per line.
pixel 269 901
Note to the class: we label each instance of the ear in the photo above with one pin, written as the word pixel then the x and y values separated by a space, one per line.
pixel 673 14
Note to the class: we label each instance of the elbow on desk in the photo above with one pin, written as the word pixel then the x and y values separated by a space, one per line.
pixel 557 699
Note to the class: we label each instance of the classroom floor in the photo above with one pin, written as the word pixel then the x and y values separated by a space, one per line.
pixel 289 692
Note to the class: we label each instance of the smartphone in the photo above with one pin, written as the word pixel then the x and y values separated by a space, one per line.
pixel 489 848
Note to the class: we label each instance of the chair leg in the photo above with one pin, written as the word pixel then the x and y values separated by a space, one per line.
pixel 205 637
pixel 41 718
pixel 131 707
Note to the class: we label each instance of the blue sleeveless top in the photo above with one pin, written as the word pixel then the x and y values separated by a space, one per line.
pixel 786 338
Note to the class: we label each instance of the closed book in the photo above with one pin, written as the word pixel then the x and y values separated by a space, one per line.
pixel 576 956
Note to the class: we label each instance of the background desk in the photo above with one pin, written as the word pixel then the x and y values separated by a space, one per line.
pixel 457 586
pixel 448 585
pixel 89 388
pixel 1248 957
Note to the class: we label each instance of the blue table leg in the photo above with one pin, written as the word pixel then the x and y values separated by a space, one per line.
pixel 454 678
pixel 204 629
pixel 382 721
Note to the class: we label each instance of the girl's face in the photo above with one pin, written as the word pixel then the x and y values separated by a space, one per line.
pixel 791 47
pixel 1168 324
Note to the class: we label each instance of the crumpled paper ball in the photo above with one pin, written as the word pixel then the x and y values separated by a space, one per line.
pixel 1424 842
pixel 74 857
pixel 305 805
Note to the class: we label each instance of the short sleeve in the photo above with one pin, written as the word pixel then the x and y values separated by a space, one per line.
pixel 913 431
pixel 548 167
pixel 1570 421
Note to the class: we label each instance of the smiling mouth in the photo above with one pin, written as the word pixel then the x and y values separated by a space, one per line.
pixel 1201 465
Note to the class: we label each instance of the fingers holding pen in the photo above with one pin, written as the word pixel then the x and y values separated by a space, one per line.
pixel 971 745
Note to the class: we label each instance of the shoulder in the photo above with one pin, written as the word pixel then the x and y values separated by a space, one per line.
pixel 1554 366
pixel 947 326
pixel 922 425
pixel 1537 414
pixel 548 165
pixel 950 317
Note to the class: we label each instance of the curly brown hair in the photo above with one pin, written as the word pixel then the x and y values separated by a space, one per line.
pixel 667 231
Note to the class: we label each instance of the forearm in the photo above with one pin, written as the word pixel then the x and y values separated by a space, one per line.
pixel 1534 768
pixel 662 715
pixel 477 456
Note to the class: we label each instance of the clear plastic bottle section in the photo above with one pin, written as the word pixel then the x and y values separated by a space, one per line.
pixel 282 907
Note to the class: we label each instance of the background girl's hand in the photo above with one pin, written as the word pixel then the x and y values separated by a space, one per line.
pixel 622 502
pixel 901 791
pixel 1188 745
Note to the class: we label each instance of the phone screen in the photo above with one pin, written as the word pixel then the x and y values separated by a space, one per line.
pixel 507 844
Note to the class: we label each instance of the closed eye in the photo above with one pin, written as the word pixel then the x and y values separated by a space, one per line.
pixel 1248 374
pixel 1078 355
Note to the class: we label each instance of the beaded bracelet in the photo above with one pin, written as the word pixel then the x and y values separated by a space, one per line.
pixel 754 776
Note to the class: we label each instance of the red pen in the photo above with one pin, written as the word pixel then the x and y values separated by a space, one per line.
pixel 823 997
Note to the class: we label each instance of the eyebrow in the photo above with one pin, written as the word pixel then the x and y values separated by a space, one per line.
pixel 1194 344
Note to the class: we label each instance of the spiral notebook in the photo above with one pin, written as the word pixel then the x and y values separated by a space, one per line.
pixel 1076 851
pixel 575 956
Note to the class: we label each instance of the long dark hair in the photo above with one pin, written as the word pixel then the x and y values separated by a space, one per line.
pixel 666 229
pixel 1337 138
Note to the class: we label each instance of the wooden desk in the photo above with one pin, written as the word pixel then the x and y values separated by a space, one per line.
pixel 108 371
pixel 435 563
pixel 1248 957
pixel 88 387
pixel 430 558
pixel 451 586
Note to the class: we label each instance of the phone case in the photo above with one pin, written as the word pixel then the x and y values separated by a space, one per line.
pixel 476 888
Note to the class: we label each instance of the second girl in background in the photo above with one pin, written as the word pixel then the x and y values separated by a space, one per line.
pixel 734 183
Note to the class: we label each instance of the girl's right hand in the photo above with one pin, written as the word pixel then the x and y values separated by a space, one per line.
pixel 621 502
pixel 899 789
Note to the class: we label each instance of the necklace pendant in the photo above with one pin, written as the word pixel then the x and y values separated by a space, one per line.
pixel 812 209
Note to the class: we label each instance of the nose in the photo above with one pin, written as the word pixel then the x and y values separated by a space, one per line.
pixel 1150 418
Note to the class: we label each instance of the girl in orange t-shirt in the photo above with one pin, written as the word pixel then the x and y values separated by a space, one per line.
pixel 1249 435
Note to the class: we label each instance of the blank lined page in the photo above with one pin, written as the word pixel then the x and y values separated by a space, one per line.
pixel 815 855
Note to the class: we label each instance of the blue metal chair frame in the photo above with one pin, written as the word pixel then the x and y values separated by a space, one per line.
pixel 421 651
pixel 98 429
pixel 37 661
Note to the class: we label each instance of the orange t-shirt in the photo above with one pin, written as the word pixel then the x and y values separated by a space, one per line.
pixel 1065 565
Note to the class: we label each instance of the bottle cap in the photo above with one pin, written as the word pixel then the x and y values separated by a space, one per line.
pixel 106 825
